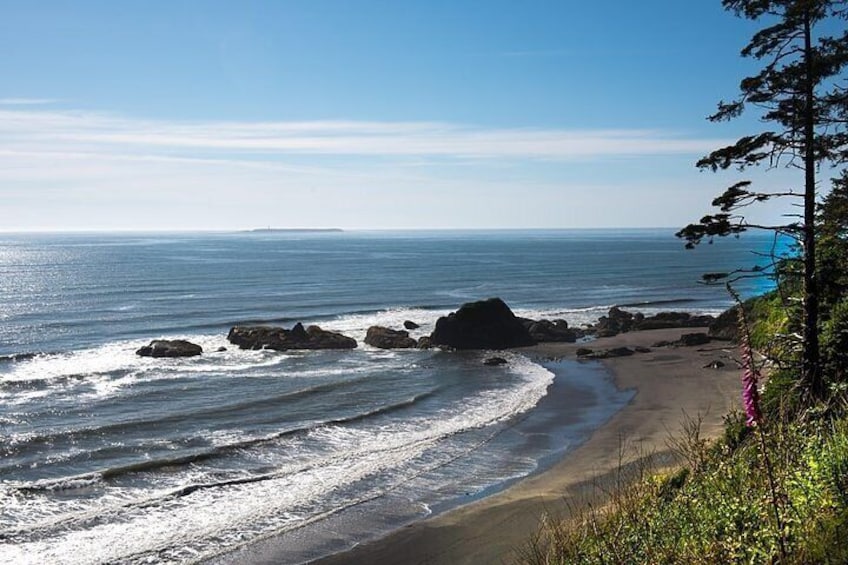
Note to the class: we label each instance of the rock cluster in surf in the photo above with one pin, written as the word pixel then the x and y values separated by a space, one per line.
pixel 485 324
pixel 279 339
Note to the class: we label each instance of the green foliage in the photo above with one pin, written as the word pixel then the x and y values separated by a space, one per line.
pixel 799 96
pixel 735 432
pixel 769 318
pixel 723 511
pixel 834 344
pixel 780 398
pixel 832 233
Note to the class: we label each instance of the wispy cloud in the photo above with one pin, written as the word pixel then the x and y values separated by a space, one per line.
pixel 26 101
pixel 62 131
pixel 81 169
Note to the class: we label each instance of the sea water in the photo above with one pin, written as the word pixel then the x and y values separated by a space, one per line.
pixel 111 457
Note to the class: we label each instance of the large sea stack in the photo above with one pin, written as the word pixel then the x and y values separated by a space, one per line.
pixel 487 324
pixel 279 339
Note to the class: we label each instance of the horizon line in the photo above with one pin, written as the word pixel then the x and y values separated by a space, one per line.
pixel 316 230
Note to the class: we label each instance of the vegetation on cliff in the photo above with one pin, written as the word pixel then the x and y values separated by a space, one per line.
pixel 774 488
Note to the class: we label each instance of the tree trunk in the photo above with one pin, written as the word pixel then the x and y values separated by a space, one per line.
pixel 812 377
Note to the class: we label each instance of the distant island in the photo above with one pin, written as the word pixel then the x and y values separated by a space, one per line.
pixel 295 230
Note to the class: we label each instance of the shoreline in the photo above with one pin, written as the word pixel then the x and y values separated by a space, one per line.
pixel 671 385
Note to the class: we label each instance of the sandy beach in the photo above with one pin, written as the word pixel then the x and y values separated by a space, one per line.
pixel 671 384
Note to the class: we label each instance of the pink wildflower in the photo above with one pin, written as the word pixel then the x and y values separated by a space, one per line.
pixel 750 377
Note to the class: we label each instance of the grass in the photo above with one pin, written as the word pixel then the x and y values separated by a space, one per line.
pixel 719 505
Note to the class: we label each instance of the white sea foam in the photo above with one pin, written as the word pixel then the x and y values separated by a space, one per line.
pixel 356 325
pixel 331 459
pixel 109 369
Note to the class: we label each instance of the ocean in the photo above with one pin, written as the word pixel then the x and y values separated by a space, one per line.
pixel 110 457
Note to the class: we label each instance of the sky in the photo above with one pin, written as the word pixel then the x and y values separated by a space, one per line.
pixel 366 114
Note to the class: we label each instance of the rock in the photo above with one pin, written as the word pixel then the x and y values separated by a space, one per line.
pixel 551 331
pixel 690 340
pixel 619 321
pixel 410 325
pixel 686 340
pixel 385 338
pixel 616 321
pixel 714 365
pixel 279 339
pixel 583 351
pixel 170 348
pixel 726 326
pixel 609 353
pixel 641 349
pixel 616 352
pixel 495 361
pixel 665 320
pixel 487 324
pixel 221 349
pixel 424 342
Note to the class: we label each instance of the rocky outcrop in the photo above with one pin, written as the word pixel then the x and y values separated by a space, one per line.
pixel 279 339
pixel 170 348
pixel 691 340
pixel 726 326
pixel 410 325
pixel 544 331
pixel 686 340
pixel 585 353
pixel 386 338
pixel 424 342
pixel 619 321
pixel 486 324
pixel 665 320
pixel 615 322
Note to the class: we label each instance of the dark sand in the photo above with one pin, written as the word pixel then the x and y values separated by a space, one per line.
pixel 672 385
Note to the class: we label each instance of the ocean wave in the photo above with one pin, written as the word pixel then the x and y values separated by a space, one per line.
pixel 218 449
pixel 661 302
pixel 202 516
pixel 108 369
pixel 356 325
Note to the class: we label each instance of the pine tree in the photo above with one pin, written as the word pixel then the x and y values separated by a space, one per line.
pixel 802 95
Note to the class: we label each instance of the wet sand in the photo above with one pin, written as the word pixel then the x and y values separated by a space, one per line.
pixel 672 385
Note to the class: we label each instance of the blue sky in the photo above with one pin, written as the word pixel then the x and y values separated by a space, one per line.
pixel 364 114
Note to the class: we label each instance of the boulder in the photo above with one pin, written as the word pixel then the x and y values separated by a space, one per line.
pixel 690 340
pixel 583 351
pixel 386 338
pixel 686 340
pixel 170 348
pixel 495 361
pixel 486 324
pixel 619 321
pixel 424 342
pixel 608 353
pixel 616 321
pixel 279 339
pixel 664 320
pixel 551 331
pixel 410 325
